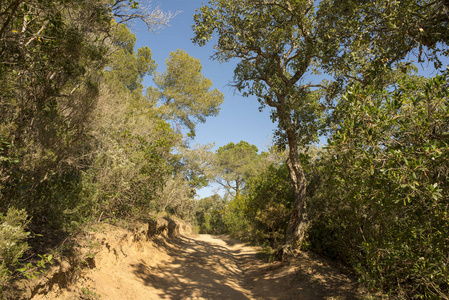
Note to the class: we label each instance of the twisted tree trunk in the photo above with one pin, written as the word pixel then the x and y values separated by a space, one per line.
pixel 297 224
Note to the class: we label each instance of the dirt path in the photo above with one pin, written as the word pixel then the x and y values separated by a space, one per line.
pixel 201 267
pixel 204 267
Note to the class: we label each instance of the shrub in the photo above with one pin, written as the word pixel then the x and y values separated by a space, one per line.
pixel 269 205
pixel 382 202
pixel 12 236
pixel 261 215
pixel 12 241
pixel 209 214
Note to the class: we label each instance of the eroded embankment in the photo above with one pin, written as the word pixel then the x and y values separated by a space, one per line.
pixel 131 264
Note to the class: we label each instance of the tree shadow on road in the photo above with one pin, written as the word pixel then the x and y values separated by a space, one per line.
pixel 302 278
pixel 226 269
pixel 198 270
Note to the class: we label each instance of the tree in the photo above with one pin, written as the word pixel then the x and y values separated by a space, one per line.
pixel 276 45
pixel 234 164
pixel 127 68
pixel 52 54
pixel 362 41
pixel 49 69
pixel 134 170
pixel 184 93
pixel 129 10
pixel 269 199
pixel 196 164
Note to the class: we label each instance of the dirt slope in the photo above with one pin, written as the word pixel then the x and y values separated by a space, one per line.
pixel 197 267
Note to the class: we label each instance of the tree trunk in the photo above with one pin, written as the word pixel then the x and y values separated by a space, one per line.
pixel 297 224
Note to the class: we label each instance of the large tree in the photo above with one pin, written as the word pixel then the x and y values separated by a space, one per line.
pixel 276 46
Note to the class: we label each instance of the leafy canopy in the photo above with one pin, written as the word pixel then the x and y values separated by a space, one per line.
pixel 234 164
pixel 184 94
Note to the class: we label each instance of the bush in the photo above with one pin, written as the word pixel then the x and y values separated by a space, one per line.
pixel 12 241
pixel 12 236
pixel 270 201
pixel 261 215
pixel 209 214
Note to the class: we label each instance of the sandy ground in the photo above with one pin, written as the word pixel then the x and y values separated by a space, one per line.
pixel 198 267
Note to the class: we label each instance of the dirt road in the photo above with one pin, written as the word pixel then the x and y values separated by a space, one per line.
pixel 201 267
pixel 204 267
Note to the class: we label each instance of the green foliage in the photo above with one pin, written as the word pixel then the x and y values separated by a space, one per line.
pixel 50 60
pixel 31 270
pixel 132 161
pixel 381 205
pixel 4 278
pixel 89 294
pixel 195 164
pixel 269 205
pixel 184 93
pixel 358 36
pixel 261 206
pixel 79 139
pixel 234 164
pixel 13 236
pixel 12 242
pixel 262 213
pixel 13 245
pixel 209 214
pixel 134 170
pixel 237 223
pixel 127 67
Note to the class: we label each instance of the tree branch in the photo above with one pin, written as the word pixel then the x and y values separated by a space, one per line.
pixel 13 7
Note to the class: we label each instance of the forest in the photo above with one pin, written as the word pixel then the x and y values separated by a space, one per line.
pixel 83 141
